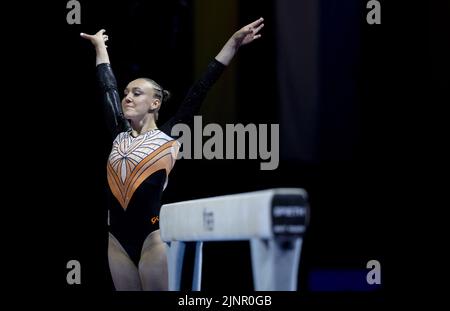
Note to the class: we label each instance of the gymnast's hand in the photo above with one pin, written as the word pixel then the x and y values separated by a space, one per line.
pixel 248 33
pixel 243 36
pixel 98 39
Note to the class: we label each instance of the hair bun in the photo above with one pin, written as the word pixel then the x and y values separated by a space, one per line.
pixel 166 95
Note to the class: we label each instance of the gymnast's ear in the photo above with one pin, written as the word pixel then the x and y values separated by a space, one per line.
pixel 156 104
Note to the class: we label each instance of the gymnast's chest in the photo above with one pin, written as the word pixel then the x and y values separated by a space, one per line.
pixel 129 153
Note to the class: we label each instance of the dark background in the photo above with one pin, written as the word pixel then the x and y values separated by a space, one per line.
pixel 352 89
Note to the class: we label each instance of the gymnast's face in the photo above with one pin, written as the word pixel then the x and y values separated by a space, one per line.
pixel 139 99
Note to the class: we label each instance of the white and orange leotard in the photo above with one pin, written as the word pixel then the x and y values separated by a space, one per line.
pixel 138 167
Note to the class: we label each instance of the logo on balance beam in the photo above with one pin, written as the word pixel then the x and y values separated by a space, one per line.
pixel 290 215
pixel 208 220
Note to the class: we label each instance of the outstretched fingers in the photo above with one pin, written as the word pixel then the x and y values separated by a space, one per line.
pixel 85 35
pixel 97 38
pixel 251 30
pixel 256 23
pixel 255 31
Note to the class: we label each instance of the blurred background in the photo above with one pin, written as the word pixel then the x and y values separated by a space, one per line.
pixel 330 80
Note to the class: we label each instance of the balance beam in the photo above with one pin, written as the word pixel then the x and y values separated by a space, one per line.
pixel 273 220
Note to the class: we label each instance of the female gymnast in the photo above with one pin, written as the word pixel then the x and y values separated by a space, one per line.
pixel 142 156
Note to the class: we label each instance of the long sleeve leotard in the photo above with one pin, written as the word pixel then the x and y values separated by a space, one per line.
pixel 138 167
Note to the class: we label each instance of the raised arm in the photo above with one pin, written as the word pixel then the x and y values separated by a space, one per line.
pixel 107 81
pixel 193 100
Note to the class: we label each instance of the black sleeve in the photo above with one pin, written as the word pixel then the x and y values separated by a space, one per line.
pixel 194 98
pixel 115 120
